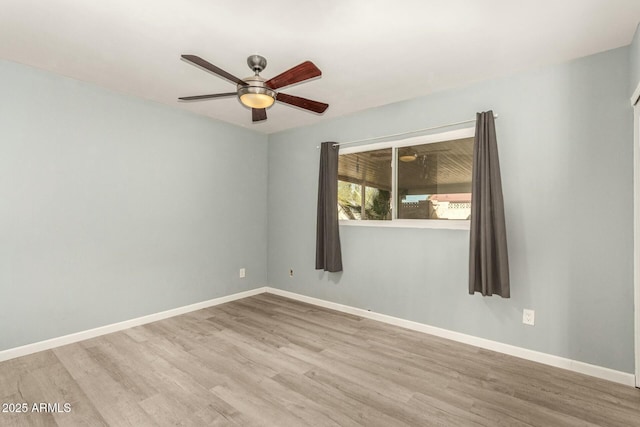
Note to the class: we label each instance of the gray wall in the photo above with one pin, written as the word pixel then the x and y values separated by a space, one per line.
pixel 565 141
pixel 634 52
pixel 114 207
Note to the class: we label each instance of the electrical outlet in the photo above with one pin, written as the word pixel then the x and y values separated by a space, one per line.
pixel 243 273
pixel 291 272
pixel 528 317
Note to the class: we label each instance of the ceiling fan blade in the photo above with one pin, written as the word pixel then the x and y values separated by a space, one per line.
pixel 307 104
pixel 258 114
pixel 197 61
pixel 201 97
pixel 305 71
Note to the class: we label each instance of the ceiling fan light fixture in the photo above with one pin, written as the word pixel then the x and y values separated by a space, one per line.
pixel 256 94
pixel 256 100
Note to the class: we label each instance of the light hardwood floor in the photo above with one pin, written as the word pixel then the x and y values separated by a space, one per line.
pixel 268 360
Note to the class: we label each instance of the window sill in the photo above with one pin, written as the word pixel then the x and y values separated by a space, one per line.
pixel 450 224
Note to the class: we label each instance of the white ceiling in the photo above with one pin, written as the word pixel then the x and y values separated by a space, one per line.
pixel 371 52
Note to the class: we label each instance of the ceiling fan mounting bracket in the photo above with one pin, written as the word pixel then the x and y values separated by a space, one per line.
pixel 257 63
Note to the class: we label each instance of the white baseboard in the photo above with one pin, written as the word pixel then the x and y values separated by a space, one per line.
pixel 523 353
pixel 114 327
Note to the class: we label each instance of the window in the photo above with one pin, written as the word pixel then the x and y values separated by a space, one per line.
pixel 364 185
pixel 434 180
pixel 411 182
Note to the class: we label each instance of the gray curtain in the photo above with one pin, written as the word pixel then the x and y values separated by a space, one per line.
pixel 328 253
pixel 488 260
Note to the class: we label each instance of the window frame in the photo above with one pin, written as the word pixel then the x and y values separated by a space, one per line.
pixel 454 224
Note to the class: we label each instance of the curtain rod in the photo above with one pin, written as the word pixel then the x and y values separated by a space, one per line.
pixel 407 133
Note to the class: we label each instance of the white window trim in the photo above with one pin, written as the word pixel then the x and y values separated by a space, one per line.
pixel 452 224
pixel 416 140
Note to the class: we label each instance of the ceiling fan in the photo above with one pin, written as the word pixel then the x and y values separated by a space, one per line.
pixel 258 93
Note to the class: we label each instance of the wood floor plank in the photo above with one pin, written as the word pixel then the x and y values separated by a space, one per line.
pixel 270 361
pixel 353 409
pixel 19 419
pixel 381 399
pixel 114 401
pixel 44 380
